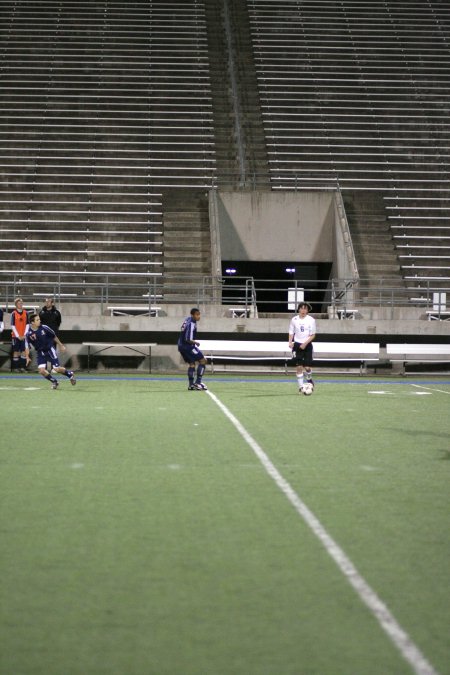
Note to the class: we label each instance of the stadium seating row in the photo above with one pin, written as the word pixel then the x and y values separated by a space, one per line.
pixel 109 106
pixel 359 92
pixel 96 124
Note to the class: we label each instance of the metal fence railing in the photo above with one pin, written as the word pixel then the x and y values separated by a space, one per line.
pixel 252 296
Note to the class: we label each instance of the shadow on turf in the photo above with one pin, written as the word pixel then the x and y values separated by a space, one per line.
pixel 195 394
pixel 284 394
pixel 415 432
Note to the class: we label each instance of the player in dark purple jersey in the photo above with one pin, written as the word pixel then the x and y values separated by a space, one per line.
pixel 188 348
pixel 44 341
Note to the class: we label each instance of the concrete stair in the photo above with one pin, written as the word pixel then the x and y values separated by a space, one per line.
pixel 373 245
pixel 187 244
pixel 243 103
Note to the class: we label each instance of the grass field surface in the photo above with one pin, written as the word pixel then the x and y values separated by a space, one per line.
pixel 143 535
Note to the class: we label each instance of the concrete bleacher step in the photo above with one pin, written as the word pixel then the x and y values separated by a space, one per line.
pixel 368 259
pixel 235 97
pixel 173 239
pixel 374 249
pixel 377 270
pixel 189 246
pixel 187 243
pixel 185 266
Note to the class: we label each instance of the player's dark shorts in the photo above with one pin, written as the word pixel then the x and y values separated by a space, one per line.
pixel 18 345
pixel 303 357
pixel 44 357
pixel 190 353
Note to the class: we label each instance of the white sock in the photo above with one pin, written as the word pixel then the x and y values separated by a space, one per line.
pixel 300 381
pixel 309 376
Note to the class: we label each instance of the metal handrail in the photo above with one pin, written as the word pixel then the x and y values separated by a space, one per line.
pixel 247 292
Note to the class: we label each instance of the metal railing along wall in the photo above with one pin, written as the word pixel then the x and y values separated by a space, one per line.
pixel 252 296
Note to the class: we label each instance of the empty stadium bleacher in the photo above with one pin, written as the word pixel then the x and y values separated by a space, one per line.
pixel 102 108
pixel 107 108
pixel 360 90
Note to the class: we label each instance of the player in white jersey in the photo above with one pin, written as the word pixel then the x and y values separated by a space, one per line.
pixel 302 331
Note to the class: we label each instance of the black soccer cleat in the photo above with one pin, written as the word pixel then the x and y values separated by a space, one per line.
pixel 200 386
pixel 55 384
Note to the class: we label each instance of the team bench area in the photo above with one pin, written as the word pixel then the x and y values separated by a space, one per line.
pixel 417 353
pixel 133 310
pixel 139 348
pixel 260 350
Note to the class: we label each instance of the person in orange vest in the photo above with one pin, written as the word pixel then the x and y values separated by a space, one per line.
pixel 19 322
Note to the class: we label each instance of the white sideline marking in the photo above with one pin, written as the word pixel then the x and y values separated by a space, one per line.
pixel 421 386
pixel 387 621
pixel 20 388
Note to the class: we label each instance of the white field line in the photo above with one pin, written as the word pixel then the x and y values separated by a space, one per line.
pixel 421 386
pixel 387 621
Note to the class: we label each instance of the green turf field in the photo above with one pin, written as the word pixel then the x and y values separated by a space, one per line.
pixel 142 535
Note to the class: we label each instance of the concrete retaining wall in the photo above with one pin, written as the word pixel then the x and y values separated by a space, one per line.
pixel 87 318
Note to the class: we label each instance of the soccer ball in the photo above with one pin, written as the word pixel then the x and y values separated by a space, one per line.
pixel 307 389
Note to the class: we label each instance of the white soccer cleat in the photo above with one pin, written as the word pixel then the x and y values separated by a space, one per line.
pixel 200 386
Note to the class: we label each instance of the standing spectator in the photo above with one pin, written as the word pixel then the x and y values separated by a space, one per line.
pixel 302 331
pixel 19 322
pixel 188 348
pixel 44 340
pixel 50 316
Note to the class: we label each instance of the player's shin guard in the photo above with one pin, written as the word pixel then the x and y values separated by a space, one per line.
pixel 191 371
pixel 15 363
pixel 308 375
pixel 200 370
pixel 300 380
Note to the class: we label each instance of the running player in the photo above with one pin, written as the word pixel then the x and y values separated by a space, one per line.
pixel 188 348
pixel 302 331
pixel 19 322
pixel 43 339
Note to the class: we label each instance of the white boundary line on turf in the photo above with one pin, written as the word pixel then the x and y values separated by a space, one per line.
pixel 421 386
pixel 387 621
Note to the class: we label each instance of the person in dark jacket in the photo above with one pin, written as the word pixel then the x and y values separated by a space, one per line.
pixel 50 316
